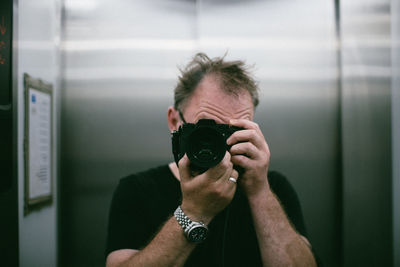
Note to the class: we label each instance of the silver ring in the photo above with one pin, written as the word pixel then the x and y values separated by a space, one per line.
pixel 232 180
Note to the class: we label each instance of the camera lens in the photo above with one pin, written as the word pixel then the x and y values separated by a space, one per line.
pixel 206 147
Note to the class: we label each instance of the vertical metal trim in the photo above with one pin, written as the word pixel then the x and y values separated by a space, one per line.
pixel 14 71
pixel 340 202
pixel 395 58
pixel 62 182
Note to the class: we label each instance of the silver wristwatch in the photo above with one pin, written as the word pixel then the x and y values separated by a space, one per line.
pixel 195 232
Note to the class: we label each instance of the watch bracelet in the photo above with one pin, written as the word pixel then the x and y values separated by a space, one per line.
pixel 182 219
pixel 188 226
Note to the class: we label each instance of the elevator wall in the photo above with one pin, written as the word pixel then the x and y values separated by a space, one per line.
pixel 36 51
pixel 395 34
pixel 366 132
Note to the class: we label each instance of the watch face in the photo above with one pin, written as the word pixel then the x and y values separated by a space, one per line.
pixel 197 234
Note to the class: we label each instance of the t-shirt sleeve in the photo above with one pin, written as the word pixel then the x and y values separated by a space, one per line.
pixel 289 200
pixel 126 222
pixel 291 205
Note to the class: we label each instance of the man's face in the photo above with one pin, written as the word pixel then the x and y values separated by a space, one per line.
pixel 210 102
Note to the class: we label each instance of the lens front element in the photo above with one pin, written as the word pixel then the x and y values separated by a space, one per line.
pixel 206 147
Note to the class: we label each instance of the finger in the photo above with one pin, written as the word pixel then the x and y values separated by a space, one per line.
pixel 221 169
pixel 247 124
pixel 234 174
pixel 246 149
pixel 247 136
pixel 242 161
pixel 230 173
pixel 184 168
pixel 231 182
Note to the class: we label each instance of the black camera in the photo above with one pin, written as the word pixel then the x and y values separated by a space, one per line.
pixel 203 142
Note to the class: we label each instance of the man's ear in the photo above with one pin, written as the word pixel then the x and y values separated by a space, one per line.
pixel 173 119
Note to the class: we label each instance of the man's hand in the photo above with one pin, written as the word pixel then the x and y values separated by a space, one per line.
pixel 250 151
pixel 205 195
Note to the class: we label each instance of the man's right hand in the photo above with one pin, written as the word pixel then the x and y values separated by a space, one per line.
pixel 205 195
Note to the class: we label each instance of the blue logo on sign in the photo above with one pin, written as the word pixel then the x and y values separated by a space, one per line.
pixel 33 98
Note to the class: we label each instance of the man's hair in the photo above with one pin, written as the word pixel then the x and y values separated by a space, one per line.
pixel 233 77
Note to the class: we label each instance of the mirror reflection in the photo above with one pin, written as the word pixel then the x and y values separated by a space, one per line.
pixel 295 97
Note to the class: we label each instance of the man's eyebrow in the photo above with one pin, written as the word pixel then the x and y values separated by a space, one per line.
pixel 216 116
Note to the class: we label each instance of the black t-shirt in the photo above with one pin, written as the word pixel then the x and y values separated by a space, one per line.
pixel 143 202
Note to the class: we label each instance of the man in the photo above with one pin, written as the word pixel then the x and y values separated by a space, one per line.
pixel 237 202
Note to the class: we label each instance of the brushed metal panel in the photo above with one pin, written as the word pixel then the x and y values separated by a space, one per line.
pixel 395 19
pixel 366 97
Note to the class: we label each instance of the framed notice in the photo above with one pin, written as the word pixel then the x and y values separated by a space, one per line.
pixel 38 143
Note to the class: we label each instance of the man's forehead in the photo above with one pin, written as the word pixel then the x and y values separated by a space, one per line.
pixel 204 109
pixel 212 88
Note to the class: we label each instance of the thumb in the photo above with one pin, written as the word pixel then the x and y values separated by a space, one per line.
pixel 184 168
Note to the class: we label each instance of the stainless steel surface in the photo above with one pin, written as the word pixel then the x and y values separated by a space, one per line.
pixel 395 31
pixel 366 124
pixel 120 67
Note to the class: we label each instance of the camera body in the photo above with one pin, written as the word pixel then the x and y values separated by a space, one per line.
pixel 203 142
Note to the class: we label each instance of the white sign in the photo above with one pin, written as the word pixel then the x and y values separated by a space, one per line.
pixel 39 144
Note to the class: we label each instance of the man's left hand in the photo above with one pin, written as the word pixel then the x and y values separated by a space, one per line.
pixel 250 151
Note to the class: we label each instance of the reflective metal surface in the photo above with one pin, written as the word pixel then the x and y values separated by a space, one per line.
pixel 366 124
pixel 395 32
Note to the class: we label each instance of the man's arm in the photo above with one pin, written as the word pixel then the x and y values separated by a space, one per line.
pixel 280 244
pixel 168 248
pixel 203 197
